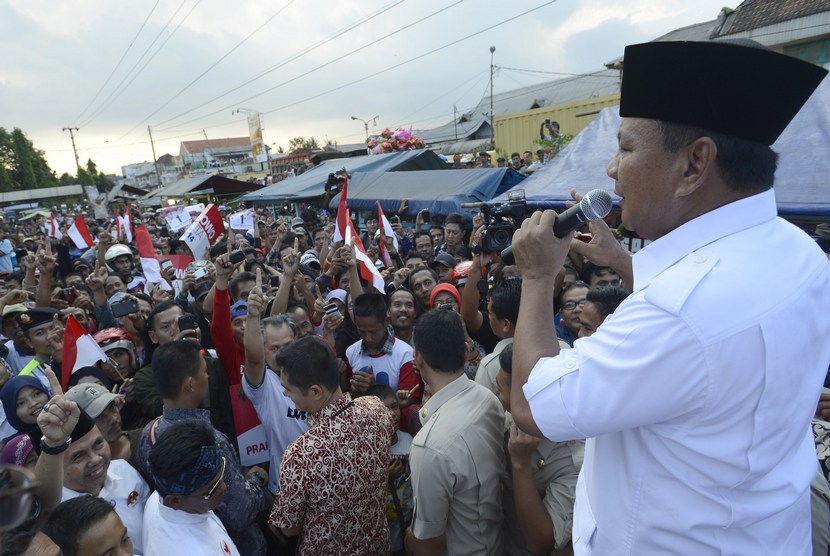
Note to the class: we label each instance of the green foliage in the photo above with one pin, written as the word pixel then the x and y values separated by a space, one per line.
pixel 554 145
pixel 303 144
pixel 22 167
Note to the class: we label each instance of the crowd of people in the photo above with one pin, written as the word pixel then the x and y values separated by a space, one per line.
pixel 282 320
pixel 407 420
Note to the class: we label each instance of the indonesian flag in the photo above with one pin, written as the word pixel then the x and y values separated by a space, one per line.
pixel 125 225
pixel 54 229
pixel 79 234
pixel 366 267
pixel 343 217
pixel 386 231
pixel 147 254
pixel 79 350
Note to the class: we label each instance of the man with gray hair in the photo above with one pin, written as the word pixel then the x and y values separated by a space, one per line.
pixel 263 340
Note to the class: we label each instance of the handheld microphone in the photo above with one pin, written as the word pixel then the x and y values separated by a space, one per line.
pixel 595 205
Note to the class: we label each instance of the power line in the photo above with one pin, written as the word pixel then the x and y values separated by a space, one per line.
pixel 405 62
pixel 118 91
pixel 296 56
pixel 550 72
pixel 124 55
pixel 313 70
pixel 216 63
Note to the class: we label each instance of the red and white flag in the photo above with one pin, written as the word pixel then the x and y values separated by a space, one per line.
pixel 366 267
pixel 125 225
pixel 54 228
pixel 79 234
pixel 147 254
pixel 343 217
pixel 386 231
pixel 204 232
pixel 79 349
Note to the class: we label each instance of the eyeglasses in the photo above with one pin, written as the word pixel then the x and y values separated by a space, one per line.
pixel 571 305
pixel 212 491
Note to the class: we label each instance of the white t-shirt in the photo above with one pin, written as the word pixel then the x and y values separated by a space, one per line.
pixel 129 492
pixel 283 422
pixel 385 366
pixel 168 531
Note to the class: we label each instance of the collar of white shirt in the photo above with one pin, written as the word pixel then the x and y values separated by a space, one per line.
pixel 729 219
pixel 180 516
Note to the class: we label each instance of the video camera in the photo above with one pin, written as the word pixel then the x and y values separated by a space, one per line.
pixel 501 221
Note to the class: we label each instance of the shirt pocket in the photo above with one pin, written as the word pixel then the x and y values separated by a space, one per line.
pixel 585 525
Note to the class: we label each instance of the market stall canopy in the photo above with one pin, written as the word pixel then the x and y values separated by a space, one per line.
pixel 312 183
pixel 41 193
pixel 439 191
pixel 801 181
pixel 203 185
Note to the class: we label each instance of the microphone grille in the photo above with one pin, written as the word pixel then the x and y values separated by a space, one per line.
pixel 596 204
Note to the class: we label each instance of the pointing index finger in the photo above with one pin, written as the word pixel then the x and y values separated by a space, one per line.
pixel 54 383
pixel 259 278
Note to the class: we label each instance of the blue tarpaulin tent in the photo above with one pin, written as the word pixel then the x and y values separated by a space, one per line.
pixel 802 181
pixel 439 191
pixel 311 184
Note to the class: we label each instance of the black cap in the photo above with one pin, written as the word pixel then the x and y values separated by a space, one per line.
pixel 35 317
pixel 735 87
pixel 445 259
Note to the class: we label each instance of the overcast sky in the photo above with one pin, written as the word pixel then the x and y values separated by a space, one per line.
pixel 182 66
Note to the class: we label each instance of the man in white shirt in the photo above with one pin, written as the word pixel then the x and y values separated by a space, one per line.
pixel 696 394
pixel 263 340
pixel 188 469
pixel 87 469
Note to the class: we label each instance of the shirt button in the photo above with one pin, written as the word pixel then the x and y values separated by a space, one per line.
pixel 700 258
pixel 423 413
pixel 570 364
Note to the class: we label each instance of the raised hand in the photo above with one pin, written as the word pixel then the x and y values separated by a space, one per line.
pixel 256 299
pixel 59 415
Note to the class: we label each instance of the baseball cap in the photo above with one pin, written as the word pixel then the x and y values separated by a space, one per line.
pixel 297 222
pixel 12 310
pixel 338 294
pixel 444 259
pixel 91 397
pixel 202 289
pixel 310 259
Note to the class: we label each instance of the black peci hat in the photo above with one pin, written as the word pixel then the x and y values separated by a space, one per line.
pixel 735 87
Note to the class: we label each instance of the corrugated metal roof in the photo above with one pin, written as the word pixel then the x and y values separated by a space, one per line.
pixel 475 123
pixel 195 147
pixel 42 193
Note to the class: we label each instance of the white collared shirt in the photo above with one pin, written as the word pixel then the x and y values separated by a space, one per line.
pixel 696 394
pixel 168 531
pixel 129 492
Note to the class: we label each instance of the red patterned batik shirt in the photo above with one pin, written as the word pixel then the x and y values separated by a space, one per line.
pixel 333 480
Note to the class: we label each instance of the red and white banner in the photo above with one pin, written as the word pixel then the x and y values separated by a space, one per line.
pixel 177 217
pixel 342 215
pixel 79 349
pixel 79 233
pixel 250 433
pixel 366 266
pixel 204 232
pixel 150 262
pixel 54 228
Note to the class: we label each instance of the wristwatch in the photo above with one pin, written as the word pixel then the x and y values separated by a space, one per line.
pixel 53 451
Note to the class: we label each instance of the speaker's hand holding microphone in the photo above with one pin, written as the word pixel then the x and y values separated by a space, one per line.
pixel 535 247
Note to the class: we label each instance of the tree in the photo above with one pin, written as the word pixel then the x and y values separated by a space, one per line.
pixel 22 167
pixel 303 145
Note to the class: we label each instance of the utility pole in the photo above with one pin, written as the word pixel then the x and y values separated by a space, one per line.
pixel 492 114
pixel 366 124
pixel 72 131
pixel 155 161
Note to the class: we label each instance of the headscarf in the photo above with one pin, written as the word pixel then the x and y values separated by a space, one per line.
pixel 9 394
pixel 16 450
